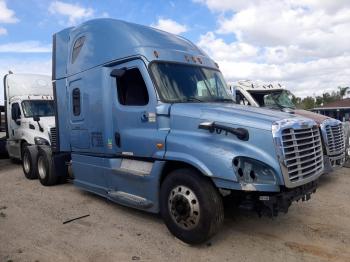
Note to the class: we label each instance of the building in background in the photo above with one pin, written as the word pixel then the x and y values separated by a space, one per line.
pixel 338 109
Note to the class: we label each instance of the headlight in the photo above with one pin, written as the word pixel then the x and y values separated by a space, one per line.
pixel 249 170
pixel 41 141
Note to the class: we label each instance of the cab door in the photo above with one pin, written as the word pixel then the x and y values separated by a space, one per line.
pixel 136 133
pixel 14 140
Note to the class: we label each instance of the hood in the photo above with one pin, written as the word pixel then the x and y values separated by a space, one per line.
pixel 318 118
pixel 234 114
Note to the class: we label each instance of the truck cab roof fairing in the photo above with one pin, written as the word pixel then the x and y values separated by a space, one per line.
pixel 107 40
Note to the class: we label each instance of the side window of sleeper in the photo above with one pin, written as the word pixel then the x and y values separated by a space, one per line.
pixel 76 101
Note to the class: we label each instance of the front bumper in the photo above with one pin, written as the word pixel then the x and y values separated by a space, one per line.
pixel 272 204
pixel 332 163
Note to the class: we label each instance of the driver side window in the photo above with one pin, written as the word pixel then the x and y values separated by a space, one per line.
pixel 132 90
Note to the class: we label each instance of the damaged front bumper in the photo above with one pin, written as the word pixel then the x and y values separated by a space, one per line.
pixel 273 203
pixel 332 163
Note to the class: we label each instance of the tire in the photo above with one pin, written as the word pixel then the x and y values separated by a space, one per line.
pixel 29 159
pixel 190 198
pixel 46 172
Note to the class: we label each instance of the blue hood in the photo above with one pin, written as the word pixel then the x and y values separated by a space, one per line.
pixel 237 115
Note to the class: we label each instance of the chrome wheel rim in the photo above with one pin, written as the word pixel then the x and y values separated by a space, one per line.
pixel 41 167
pixel 26 162
pixel 184 207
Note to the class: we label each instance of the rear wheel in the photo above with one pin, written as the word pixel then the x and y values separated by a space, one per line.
pixel 46 172
pixel 191 206
pixel 29 158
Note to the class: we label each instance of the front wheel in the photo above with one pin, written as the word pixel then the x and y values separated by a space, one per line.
pixel 29 158
pixel 191 206
pixel 46 172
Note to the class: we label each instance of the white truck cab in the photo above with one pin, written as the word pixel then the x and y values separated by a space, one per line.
pixel 30 114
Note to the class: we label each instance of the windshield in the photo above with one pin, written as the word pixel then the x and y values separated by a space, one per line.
pixel 39 108
pixel 279 99
pixel 179 83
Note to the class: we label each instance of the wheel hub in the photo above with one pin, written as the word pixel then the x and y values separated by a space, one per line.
pixel 184 207
pixel 26 163
pixel 41 168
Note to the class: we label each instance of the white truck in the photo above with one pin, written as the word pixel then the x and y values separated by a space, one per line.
pixel 29 111
pixel 275 96
pixel 2 132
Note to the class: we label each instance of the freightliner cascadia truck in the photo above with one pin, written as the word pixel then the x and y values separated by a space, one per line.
pixel 145 119
pixel 29 110
pixel 276 97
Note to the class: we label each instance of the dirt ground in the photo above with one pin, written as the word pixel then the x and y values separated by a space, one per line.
pixel 32 229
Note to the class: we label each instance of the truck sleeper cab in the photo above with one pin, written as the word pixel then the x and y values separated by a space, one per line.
pixel 146 120
pixel 278 98
pixel 29 111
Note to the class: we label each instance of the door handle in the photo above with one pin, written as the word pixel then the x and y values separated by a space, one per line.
pixel 144 116
pixel 117 138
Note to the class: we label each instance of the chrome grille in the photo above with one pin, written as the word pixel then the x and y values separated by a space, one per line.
pixel 335 138
pixel 302 149
pixel 53 137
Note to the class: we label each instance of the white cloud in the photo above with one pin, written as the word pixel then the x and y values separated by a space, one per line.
pixel 301 43
pixel 25 47
pixel 7 15
pixel 227 51
pixel 42 66
pixel 226 5
pixel 74 12
pixel 170 26
pixel 3 31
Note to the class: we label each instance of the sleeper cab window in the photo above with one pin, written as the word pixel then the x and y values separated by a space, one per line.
pixel 76 101
pixel 131 88
pixel 77 47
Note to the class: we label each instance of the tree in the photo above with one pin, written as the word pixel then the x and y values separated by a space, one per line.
pixel 342 91
pixel 308 102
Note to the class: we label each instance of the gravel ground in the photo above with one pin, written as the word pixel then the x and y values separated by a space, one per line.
pixel 32 229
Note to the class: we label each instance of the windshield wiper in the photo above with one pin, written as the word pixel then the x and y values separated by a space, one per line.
pixel 192 99
pixel 223 100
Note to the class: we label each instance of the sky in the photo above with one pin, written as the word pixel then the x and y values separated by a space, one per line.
pixel 303 44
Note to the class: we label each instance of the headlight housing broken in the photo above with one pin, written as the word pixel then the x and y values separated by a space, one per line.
pixel 250 170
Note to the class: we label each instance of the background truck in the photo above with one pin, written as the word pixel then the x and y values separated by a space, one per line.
pixel 146 121
pixel 29 113
pixel 3 150
pixel 278 98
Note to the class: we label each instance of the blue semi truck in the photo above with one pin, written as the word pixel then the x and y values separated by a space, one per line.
pixel 145 120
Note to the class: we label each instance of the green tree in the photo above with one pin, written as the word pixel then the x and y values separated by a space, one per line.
pixel 308 102
pixel 342 91
pixel 319 101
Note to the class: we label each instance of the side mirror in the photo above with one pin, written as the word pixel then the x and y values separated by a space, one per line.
pixel 117 73
pixel 37 119
pixel 14 114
